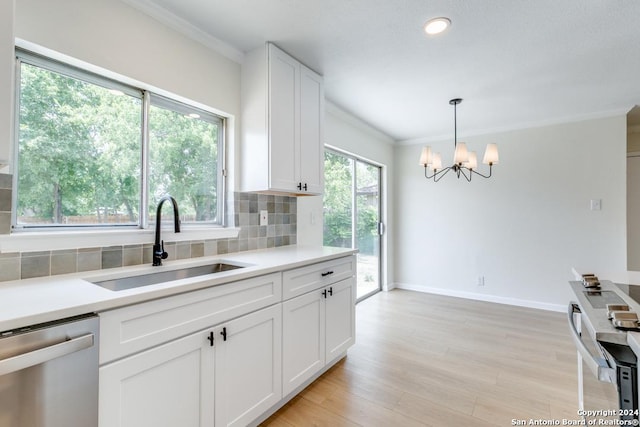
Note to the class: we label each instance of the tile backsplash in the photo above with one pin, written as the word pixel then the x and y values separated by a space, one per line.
pixel 281 231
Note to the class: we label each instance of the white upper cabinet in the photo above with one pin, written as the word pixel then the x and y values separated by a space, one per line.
pixel 282 124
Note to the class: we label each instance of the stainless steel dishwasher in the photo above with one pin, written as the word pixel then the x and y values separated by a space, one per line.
pixel 49 374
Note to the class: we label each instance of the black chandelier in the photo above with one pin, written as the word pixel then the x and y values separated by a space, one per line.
pixel 464 162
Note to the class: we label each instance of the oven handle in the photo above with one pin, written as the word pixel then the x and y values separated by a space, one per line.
pixel 597 365
pixel 42 355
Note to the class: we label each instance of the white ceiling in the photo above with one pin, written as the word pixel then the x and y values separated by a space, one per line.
pixel 516 63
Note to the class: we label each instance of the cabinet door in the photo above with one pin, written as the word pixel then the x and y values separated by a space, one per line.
pixel 311 130
pixel 284 118
pixel 303 339
pixel 170 385
pixel 248 366
pixel 340 317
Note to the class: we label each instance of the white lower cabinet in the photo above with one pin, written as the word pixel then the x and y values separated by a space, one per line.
pixel 248 367
pixel 189 382
pixel 341 319
pixel 318 327
pixel 169 385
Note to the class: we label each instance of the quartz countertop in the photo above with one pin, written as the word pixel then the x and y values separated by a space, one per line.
pixel 32 301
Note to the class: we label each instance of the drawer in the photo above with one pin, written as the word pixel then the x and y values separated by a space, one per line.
pixel 131 329
pixel 304 279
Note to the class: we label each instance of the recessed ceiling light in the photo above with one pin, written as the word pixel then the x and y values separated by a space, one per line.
pixel 436 25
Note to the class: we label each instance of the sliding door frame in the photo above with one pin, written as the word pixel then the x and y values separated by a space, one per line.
pixel 382 259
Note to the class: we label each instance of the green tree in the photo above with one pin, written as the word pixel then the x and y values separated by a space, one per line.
pixel 337 201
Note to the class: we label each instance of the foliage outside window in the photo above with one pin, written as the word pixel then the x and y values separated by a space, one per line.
pixel 347 180
pixel 80 152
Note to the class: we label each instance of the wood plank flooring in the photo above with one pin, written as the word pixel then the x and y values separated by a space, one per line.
pixel 430 360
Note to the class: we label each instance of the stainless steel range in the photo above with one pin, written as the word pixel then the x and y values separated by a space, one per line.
pixel 600 321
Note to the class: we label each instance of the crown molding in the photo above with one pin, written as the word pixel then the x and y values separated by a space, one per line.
pixel 187 29
pixel 520 126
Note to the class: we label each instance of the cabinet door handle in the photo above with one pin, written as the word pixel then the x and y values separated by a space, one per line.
pixel 224 334
pixel 299 186
pixel 331 291
pixel 324 293
pixel 328 273
pixel 305 186
pixel 210 338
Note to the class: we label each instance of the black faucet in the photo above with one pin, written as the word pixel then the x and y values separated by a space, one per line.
pixel 158 247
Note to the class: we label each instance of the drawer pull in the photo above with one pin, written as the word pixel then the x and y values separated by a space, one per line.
pixel 328 273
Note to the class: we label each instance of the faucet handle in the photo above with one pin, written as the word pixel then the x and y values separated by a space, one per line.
pixel 164 254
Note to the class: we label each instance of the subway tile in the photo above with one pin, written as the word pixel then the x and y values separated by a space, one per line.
pixel 89 259
pixel 281 231
pixel 210 247
pixel 170 249
pixel 223 247
pixel 132 255
pixel 253 243
pixel 112 257
pixel 9 266
pixel 5 200
pixel 147 253
pixel 5 222
pixel 64 262
pixel 183 250
pixel 197 249
pixel 35 264
pixel 5 180
pixel 262 242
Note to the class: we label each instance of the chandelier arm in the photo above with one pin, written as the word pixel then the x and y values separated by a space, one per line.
pixel 484 176
pixel 467 177
pixel 438 175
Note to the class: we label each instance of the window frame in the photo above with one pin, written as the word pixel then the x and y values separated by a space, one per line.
pixel 148 97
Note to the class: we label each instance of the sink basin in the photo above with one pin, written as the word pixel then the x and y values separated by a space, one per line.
pixel 131 282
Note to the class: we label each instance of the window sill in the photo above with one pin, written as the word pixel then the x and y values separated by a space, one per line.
pixel 60 240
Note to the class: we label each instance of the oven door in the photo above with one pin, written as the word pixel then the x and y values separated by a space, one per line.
pixel 607 376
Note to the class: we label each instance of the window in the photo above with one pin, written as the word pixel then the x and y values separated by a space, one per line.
pixel 88 155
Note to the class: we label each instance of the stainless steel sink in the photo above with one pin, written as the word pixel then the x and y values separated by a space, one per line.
pixel 131 282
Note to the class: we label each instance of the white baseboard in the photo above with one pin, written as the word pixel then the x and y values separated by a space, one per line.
pixel 480 297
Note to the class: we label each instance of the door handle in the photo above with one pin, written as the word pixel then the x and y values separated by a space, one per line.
pixel 597 365
pixel 330 291
pixel 41 355
pixel 210 338
pixel 224 333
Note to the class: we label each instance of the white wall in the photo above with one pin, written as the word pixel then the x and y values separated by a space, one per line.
pixel 347 133
pixel 524 228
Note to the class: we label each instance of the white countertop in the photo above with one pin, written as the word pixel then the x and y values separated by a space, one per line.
pixel 31 301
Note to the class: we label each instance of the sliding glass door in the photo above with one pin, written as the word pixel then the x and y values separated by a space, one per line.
pixel 352 219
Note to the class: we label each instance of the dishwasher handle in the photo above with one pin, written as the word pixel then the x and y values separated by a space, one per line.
pixel 42 355
pixel 597 365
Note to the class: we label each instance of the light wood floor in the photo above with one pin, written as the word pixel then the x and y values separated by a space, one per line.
pixel 424 359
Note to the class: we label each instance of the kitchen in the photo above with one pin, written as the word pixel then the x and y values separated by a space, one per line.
pixel 553 170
